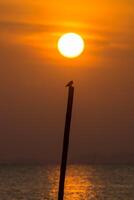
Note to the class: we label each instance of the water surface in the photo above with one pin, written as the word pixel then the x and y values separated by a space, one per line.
pixel 83 182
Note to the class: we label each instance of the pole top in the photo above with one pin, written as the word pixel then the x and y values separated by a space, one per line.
pixel 70 83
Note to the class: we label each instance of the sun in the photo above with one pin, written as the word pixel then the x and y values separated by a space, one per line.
pixel 71 45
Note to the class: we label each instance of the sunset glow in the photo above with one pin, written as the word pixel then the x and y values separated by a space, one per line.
pixel 39 55
pixel 66 99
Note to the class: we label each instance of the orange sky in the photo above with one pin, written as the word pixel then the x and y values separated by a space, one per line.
pixel 32 73
pixel 105 26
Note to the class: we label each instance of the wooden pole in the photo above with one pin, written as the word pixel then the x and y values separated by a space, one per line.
pixel 66 143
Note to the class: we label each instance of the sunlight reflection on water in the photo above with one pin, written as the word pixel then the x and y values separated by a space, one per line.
pixel 77 184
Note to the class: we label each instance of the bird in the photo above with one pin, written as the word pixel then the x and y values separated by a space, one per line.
pixel 69 84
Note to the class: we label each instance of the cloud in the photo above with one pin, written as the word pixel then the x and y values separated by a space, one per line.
pixel 18 27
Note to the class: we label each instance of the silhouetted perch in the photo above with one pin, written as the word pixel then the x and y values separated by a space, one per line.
pixel 66 140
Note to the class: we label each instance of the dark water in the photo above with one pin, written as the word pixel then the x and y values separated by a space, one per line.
pixel 83 182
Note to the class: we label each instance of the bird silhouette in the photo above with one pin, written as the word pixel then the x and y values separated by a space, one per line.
pixel 69 84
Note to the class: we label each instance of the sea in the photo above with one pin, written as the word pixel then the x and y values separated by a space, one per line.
pixel 83 182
